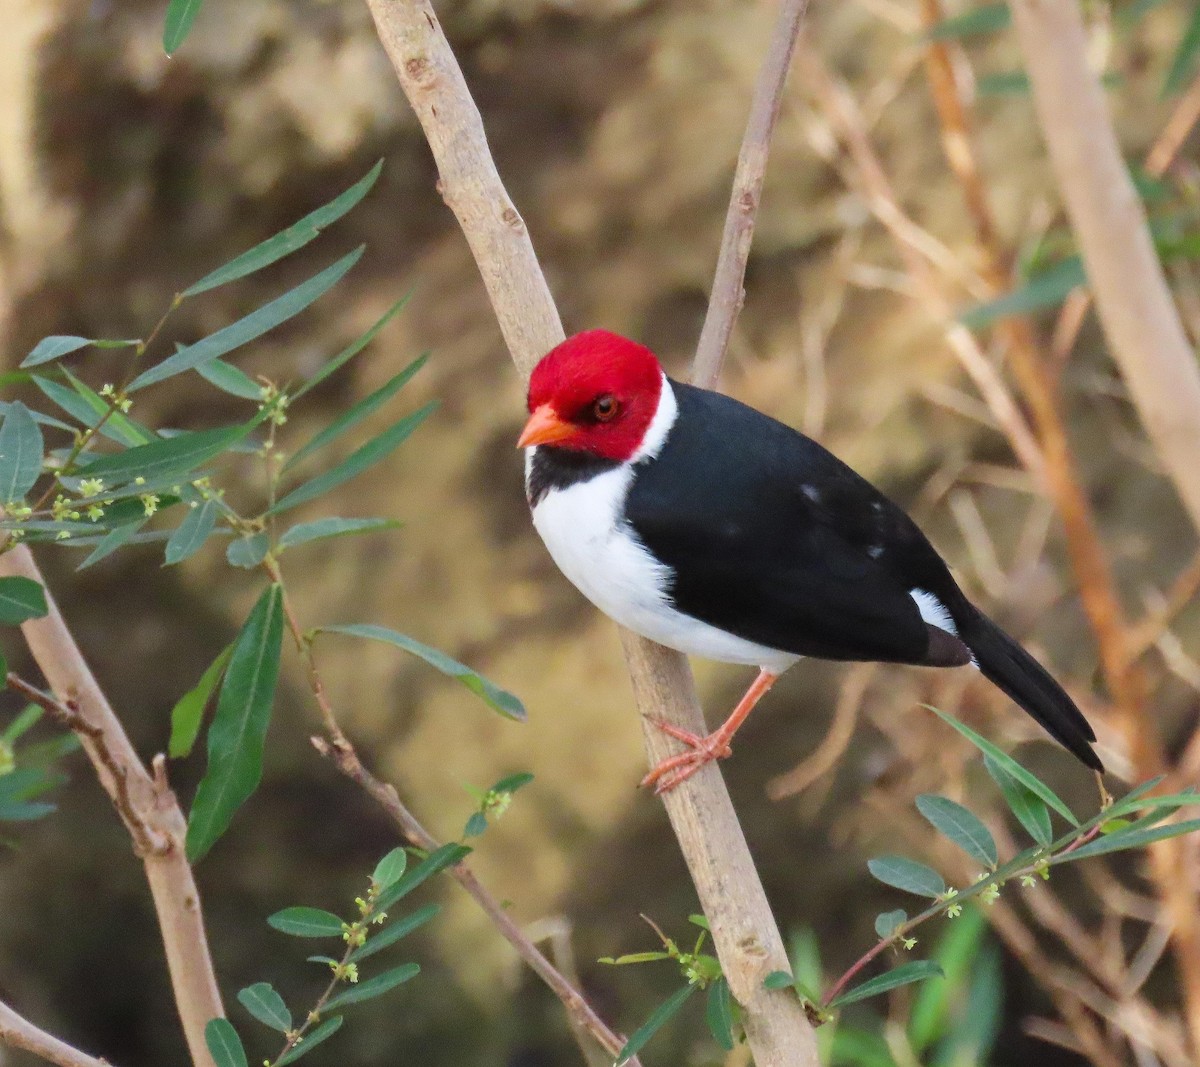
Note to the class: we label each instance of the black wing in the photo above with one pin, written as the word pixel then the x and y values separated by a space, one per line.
pixel 774 539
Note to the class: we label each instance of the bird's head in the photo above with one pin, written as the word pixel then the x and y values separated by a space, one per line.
pixel 596 392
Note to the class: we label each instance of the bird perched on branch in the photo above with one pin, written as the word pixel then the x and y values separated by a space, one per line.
pixel 715 530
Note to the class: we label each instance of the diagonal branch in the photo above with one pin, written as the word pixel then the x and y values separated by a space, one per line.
pixel 744 931
pixel 145 803
pixel 21 1033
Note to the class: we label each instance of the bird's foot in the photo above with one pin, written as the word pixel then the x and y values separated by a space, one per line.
pixel 676 769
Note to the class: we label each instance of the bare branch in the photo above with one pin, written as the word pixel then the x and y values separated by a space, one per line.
pixel 728 294
pixel 744 932
pixel 21 1033
pixel 144 802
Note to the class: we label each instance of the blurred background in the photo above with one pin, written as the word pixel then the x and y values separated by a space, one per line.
pixel 125 176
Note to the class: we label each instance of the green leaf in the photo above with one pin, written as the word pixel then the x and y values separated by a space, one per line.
pixel 858 1048
pixel 29 717
pixel 1126 839
pixel 188 712
pixel 390 868
pixel 250 327
pixel 476 824
pixel 290 240
pixel 239 727
pixel 1003 83
pixel 446 856
pixel 1023 803
pixel 224 1044
pixel 957 951
pixel 321 1033
pixel 905 974
pixel 635 957
pixel 171 458
pixel 111 541
pixel 189 536
pixel 24 811
pixel 360 411
pixel 779 980
pixel 908 875
pixel 987 18
pixel 267 1006
pixel 319 529
pixel 248 552
pixel 88 408
pixel 352 349
pixel 1184 59
pixel 180 16
pixel 652 1025
pixel 374 987
pixel 1014 769
pixel 1046 289
pixel 49 348
pixel 718 1013
pixel 887 921
pixel 21 450
pixel 961 826
pixel 512 782
pixel 230 379
pixel 495 697
pixel 38 417
pixel 307 922
pixel 357 462
pixel 25 783
pixel 394 931
pixel 21 599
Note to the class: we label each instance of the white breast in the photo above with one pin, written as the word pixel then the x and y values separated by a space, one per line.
pixel 584 529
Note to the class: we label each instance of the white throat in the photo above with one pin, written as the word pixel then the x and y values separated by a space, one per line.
pixel 660 426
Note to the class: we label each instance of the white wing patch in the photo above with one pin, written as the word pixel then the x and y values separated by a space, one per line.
pixel 933 611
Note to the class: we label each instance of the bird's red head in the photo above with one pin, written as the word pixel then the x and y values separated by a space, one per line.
pixel 596 392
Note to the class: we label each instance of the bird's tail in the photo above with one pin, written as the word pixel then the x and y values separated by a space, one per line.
pixel 1008 666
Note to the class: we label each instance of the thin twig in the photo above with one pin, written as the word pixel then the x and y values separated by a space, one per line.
pixel 747 939
pixel 144 801
pixel 21 1033
pixel 728 294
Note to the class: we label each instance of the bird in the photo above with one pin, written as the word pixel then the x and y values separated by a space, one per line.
pixel 707 526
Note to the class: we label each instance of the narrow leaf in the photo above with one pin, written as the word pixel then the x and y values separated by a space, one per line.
pixel 50 348
pixel 511 783
pixel 908 875
pixel 961 826
pixel 360 411
pixel 1023 803
pixel 180 16
pixel 476 824
pixel 1046 289
pixel 307 922
pixel 1126 839
pixel 189 710
pixel 357 462
pixel 987 18
pixel 247 552
pixel 21 599
pixel 779 980
pixel 24 810
pixel 319 529
pixel 25 721
pixel 267 1006
pixel 887 921
pixel 38 417
pixel 390 868
pixel 495 697
pixel 374 987
pixel 352 349
pixel 21 450
pixel 250 327
pixel 320 1033
pixel 173 457
pixel 718 1013
pixel 394 931
pixel 189 536
pixel 288 241
pixel 88 409
pixel 239 727
pixel 1014 769
pixel 230 379
pixel 438 860
pixel 224 1044
pixel 905 974
pixel 111 541
pixel 655 1023
pixel 1185 55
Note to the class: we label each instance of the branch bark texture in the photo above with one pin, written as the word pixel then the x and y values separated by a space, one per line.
pixel 21 1033
pixel 744 931
pixel 145 803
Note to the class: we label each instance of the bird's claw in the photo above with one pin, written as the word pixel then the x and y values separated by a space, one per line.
pixel 674 770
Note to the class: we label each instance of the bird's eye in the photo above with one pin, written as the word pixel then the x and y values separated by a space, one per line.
pixel 605 407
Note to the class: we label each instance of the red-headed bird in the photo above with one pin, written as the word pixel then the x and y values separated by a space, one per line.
pixel 715 530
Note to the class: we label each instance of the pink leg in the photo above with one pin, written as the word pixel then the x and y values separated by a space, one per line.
pixel 676 769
